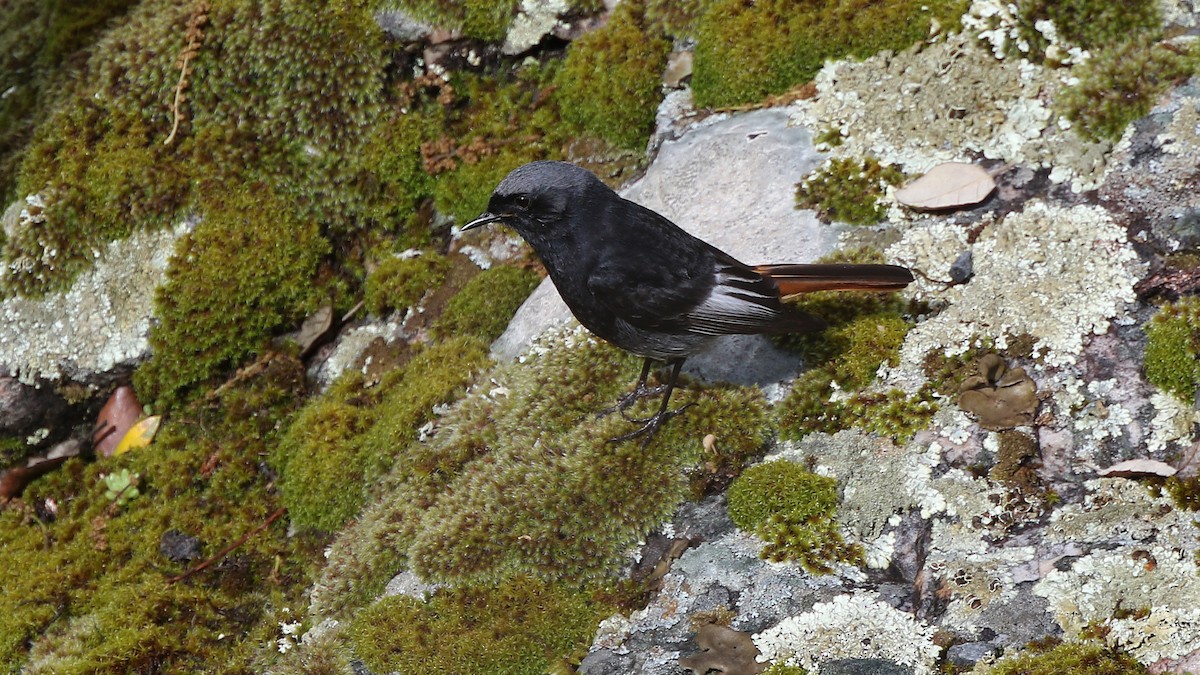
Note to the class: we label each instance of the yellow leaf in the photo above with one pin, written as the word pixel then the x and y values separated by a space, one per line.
pixel 139 435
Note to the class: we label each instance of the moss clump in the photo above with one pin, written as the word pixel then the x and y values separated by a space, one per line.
pixel 746 51
pixel 1085 23
pixel 1069 659
pixel 485 305
pixel 523 626
pixel 407 395
pixel 1173 349
pixel 247 270
pixel 1120 84
pixel 323 467
pixel 399 283
pixel 848 190
pixel 87 591
pixel 792 509
pixel 343 443
pixel 625 62
pixel 480 19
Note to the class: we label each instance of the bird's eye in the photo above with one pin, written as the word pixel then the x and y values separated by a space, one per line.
pixel 522 201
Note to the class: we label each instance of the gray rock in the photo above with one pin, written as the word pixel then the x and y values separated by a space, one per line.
pixel 863 667
pixel 731 184
pixel 400 25
pixel 536 20
pixel 967 654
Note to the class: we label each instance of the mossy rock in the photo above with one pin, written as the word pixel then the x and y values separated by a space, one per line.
pixel 792 509
pixel 520 627
pixel 1068 659
pixel 245 272
pixel 399 283
pixel 1121 83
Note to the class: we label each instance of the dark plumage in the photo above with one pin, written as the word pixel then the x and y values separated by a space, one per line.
pixel 637 280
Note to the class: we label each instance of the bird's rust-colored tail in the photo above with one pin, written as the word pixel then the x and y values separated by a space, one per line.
pixel 796 279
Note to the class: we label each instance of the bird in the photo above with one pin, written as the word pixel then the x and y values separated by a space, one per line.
pixel 641 282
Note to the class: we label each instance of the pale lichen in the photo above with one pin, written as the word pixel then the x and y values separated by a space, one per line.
pixel 1057 274
pixel 101 321
pixel 850 626
pixel 947 101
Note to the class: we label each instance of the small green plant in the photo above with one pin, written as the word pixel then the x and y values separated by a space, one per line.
pixel 792 509
pixel 121 487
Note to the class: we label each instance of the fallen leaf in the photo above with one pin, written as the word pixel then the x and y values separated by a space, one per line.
pixel 724 650
pixel 1139 468
pixel 314 329
pixel 138 436
pixel 947 186
pixel 119 414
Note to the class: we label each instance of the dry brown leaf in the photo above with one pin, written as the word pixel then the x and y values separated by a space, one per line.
pixel 1139 468
pixel 947 186
pixel 117 416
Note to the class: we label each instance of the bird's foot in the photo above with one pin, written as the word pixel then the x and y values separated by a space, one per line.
pixel 650 425
pixel 629 399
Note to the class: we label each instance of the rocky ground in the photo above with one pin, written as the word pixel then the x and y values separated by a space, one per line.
pixel 1013 477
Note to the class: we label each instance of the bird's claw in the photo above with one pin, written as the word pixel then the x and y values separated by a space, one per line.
pixel 629 399
pixel 650 425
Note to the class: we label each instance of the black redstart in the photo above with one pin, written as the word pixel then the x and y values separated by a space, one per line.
pixel 637 280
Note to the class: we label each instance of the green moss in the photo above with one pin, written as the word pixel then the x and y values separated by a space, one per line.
pixel 1120 84
pixel 245 272
pixel 1185 492
pixel 481 19
pixel 1087 24
pixel 482 499
pixel 1173 349
pixel 676 18
pixel 1068 659
pixel 399 283
pixel 625 62
pixel 792 509
pixel 865 331
pixel 848 190
pixel 323 469
pixel 523 626
pixel 435 375
pixel 746 51
pixel 502 124
pixel 485 305
pixel 87 591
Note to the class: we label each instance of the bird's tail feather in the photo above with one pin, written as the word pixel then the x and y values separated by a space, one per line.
pixel 796 279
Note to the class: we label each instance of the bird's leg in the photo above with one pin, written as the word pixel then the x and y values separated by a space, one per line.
pixel 640 391
pixel 651 424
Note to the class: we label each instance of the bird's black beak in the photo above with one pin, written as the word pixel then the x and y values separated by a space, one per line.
pixel 484 218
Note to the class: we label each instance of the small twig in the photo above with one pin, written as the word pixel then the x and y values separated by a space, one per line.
pixel 225 551
pixel 195 38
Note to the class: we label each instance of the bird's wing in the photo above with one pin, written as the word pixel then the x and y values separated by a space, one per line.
pixel 731 299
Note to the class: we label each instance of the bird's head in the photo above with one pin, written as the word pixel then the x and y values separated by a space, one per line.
pixel 538 199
